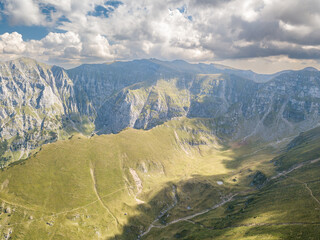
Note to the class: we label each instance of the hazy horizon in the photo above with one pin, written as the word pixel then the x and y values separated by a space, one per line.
pixel 247 68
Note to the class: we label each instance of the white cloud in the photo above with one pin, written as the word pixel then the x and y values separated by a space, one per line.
pixel 12 43
pixel 24 12
pixel 61 40
pixel 55 47
pixel 195 30
pixel 96 47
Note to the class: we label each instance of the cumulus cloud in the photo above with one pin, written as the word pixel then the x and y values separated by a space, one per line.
pixel 195 30
pixel 60 41
pixel 12 43
pixel 24 12
pixel 65 48
pixel 98 46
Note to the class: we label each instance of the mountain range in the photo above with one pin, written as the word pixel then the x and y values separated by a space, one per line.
pixel 41 103
pixel 151 149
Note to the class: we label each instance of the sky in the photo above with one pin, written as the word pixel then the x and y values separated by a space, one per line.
pixel 265 36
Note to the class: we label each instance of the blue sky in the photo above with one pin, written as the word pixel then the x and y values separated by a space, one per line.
pixel 262 35
pixel 28 33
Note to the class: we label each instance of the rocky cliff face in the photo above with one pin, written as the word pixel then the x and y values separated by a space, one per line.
pixel 143 106
pixel 241 108
pixel 41 103
pixel 34 100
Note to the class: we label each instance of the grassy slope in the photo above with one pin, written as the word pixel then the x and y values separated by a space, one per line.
pixel 264 215
pixel 83 188
pixel 55 194
pixel 286 208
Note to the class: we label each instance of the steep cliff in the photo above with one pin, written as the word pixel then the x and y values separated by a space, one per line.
pixel 35 99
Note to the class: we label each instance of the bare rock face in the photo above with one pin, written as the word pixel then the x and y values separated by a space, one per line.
pixel 34 100
pixel 241 108
pixel 41 103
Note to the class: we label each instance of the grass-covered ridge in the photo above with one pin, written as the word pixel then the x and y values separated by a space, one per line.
pixel 175 181
pixel 83 188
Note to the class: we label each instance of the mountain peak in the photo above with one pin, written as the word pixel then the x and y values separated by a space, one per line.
pixel 311 69
pixel 27 62
pixel 24 60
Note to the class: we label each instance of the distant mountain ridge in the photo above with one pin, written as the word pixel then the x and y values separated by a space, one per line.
pixel 42 103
